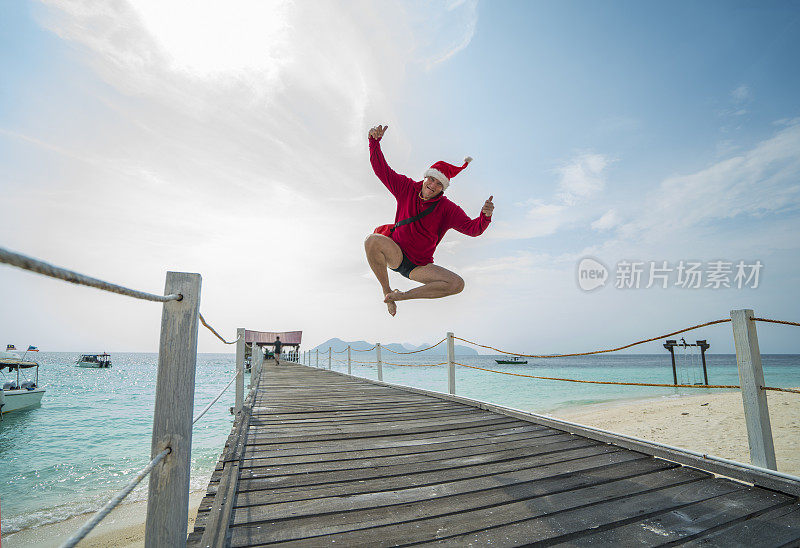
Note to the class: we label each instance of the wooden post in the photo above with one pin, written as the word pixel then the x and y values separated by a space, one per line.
pixel 317 357
pixel 256 361
pixel 703 347
pixel 329 357
pixel 237 406
pixel 168 495
pixel 670 345
pixel 451 367
pixel 380 363
pixel 253 365
pixel 751 379
pixel 349 371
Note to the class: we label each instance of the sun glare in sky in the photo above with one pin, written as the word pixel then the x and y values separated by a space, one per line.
pixel 207 37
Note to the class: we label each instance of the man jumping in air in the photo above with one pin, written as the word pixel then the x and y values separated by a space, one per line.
pixel 423 216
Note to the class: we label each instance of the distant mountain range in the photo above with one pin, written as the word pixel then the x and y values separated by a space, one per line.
pixel 338 345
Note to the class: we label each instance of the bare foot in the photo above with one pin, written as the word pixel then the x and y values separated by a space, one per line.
pixel 389 300
pixel 392 296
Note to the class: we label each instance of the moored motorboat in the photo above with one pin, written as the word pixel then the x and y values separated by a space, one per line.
pixel 515 360
pixel 17 395
pixel 97 361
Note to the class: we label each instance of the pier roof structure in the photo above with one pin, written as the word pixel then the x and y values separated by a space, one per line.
pixel 290 338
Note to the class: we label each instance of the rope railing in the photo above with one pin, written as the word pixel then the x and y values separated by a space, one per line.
pixel 599 382
pixel 414 351
pixel 783 322
pixel 367 350
pixel 792 390
pixel 596 351
pixel 101 514
pixel 218 396
pixel 52 271
pixel 214 331
pixel 415 364
pixel 621 383
pixel 46 269
pixel 111 504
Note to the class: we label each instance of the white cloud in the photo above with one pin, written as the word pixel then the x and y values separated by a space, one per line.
pixel 753 184
pixel 741 94
pixel 446 33
pixel 609 220
pixel 581 178
pixel 542 219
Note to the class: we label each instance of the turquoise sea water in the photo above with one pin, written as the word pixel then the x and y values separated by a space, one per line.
pixel 92 431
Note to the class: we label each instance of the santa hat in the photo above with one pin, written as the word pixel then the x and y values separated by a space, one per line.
pixel 443 172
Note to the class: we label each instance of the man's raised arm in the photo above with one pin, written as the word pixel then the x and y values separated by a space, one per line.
pixel 472 227
pixel 392 180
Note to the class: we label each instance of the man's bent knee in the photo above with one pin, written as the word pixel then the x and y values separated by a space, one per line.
pixel 372 243
pixel 457 285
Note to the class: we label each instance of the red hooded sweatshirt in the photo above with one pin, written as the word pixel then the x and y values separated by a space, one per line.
pixel 419 239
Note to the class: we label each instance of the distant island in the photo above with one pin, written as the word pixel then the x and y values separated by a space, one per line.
pixel 338 345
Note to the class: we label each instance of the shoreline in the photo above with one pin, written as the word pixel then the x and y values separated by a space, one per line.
pixel 122 528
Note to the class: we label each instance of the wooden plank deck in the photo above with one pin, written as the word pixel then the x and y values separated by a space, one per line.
pixel 322 459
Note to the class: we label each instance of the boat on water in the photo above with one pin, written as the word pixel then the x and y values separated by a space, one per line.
pixel 17 395
pixel 514 360
pixel 98 361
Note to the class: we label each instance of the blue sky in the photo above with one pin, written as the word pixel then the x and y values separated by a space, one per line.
pixel 154 136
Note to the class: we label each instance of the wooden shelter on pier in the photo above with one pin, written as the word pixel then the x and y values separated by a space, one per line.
pixel 266 339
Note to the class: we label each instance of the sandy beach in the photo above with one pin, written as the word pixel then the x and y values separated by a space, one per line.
pixel 123 528
pixel 711 424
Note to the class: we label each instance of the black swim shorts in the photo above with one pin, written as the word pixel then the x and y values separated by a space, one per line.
pixel 406 266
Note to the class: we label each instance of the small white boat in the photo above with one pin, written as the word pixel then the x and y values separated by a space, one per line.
pixel 97 361
pixel 17 395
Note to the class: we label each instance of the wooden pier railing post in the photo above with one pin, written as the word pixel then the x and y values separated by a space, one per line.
pixel 349 371
pixel 237 406
pixel 751 379
pixel 256 359
pixel 317 357
pixel 451 367
pixel 329 357
pixel 168 495
pixel 380 363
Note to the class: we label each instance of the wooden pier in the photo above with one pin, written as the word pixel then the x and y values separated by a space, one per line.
pixel 318 458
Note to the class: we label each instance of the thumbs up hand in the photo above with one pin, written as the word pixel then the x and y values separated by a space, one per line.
pixel 488 207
